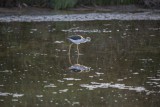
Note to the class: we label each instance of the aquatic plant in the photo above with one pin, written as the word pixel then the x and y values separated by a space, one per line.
pixel 62 4
pixel 106 2
pixel 150 3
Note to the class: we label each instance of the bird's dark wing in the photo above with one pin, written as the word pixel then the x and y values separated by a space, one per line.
pixel 75 37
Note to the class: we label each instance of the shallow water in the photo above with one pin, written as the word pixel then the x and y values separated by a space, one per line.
pixel 123 58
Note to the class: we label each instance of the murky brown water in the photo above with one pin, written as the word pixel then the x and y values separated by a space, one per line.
pixel 123 57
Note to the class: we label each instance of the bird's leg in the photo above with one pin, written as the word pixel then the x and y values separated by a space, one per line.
pixel 69 51
pixel 69 57
pixel 77 49
pixel 78 54
pixel 77 58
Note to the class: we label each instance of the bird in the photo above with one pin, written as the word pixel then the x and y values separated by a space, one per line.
pixel 78 39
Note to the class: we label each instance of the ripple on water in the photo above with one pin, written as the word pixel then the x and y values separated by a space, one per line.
pixel 62 91
pixel 58 42
pixel 33 29
pixel 50 86
pixel 155 79
pixel 96 85
pixel 17 95
pixel 84 31
pixel 71 79
pixel 11 94
pixel 6 71
pixel 5 94
pixel 15 100
pixel 39 96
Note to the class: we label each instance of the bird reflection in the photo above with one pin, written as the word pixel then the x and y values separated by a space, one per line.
pixel 77 39
pixel 79 68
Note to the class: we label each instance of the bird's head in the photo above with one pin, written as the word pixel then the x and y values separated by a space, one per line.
pixel 88 39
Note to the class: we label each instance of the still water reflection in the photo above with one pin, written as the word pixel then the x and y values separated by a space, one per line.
pixel 123 57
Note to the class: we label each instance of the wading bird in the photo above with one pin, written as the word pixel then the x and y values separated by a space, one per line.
pixel 78 39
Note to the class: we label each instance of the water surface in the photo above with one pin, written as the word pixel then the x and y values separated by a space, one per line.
pixel 123 57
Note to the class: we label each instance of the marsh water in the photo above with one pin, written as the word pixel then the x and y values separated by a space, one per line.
pixel 123 58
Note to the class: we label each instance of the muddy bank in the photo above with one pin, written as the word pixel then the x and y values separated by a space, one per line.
pixel 79 14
